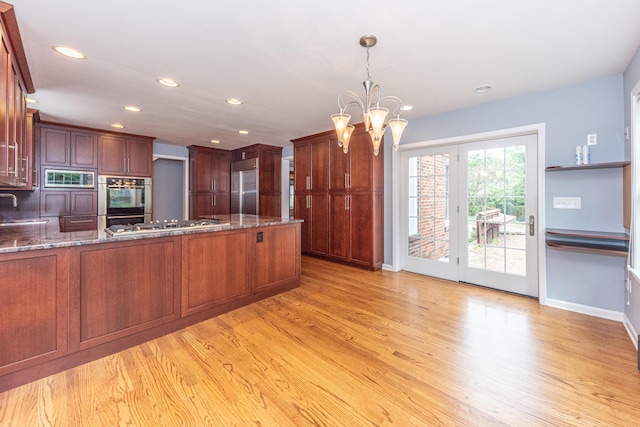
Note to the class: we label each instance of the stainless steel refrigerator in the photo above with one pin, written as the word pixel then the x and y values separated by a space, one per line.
pixel 244 187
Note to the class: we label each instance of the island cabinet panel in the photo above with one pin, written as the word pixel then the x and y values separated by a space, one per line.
pixel 276 256
pixel 33 308
pixel 215 270
pixel 118 289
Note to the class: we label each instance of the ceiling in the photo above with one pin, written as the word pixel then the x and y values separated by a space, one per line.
pixel 287 60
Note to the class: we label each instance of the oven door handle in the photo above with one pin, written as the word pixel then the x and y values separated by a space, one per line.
pixel 124 216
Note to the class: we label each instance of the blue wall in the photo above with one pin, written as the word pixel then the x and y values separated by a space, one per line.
pixel 570 114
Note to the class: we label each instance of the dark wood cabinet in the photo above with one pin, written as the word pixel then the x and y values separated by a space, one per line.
pixel 311 192
pixel 250 152
pixel 269 176
pixel 34 308
pixel 16 150
pixel 124 155
pixel 67 306
pixel 356 203
pixel 64 148
pixel 204 204
pixel 122 288
pixel 72 202
pixel 215 270
pixel 341 196
pixel 276 254
pixel 209 181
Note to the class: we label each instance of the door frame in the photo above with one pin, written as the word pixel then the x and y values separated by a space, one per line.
pixel 538 129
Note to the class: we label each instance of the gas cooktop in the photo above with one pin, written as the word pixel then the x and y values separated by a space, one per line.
pixel 166 225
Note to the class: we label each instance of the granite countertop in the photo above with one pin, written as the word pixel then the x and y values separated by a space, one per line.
pixel 18 238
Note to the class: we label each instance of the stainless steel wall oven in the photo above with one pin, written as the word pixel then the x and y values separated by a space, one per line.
pixel 123 200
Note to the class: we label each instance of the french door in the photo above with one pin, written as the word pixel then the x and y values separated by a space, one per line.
pixel 469 212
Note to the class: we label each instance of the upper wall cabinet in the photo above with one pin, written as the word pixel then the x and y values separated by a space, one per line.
pixel 125 155
pixel 68 148
pixel 16 145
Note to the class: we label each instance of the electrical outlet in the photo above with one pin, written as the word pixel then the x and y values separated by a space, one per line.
pixel 567 203
pixel 592 139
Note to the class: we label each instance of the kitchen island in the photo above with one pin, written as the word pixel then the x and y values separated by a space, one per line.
pixel 68 298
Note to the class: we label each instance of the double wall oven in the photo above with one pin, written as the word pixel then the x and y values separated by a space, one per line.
pixel 123 200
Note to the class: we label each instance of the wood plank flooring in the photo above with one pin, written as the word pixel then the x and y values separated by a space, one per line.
pixel 357 348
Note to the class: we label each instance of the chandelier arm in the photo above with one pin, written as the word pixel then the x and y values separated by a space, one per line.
pixel 375 93
pixel 343 105
pixel 399 104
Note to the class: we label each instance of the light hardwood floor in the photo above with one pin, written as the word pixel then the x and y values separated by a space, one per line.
pixel 357 348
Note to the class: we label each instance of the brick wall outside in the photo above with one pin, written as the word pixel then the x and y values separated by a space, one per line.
pixel 432 241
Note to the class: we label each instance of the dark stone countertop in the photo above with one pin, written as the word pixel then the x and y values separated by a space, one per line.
pixel 18 238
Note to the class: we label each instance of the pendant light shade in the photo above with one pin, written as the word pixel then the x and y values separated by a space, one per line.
pixel 397 128
pixel 373 115
pixel 340 121
pixel 346 138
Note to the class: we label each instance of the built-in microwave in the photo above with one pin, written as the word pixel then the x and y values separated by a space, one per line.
pixel 60 178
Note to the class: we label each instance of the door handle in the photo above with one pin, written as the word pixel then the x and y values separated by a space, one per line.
pixel 532 225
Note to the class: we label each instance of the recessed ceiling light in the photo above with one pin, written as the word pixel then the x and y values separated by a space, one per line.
pixel 244 132
pixel 132 108
pixel 234 101
pixel 117 125
pixel 215 141
pixel 483 89
pixel 69 52
pixel 168 82
pixel 407 107
pixel 31 100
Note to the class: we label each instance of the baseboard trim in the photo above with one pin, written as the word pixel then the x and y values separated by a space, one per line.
pixel 389 267
pixel 585 309
pixel 633 334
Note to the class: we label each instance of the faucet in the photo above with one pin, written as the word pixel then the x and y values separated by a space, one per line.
pixel 13 196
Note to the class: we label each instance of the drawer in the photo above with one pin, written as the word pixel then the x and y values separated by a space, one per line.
pixel 78 223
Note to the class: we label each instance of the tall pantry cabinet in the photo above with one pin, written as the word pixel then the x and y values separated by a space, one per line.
pixel 209 181
pixel 311 192
pixel 347 218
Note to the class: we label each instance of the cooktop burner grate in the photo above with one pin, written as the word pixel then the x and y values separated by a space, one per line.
pixel 166 225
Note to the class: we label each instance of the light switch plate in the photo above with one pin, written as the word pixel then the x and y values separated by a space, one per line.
pixel 567 203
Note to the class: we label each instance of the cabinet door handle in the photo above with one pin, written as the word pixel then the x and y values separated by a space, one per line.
pixel 16 162
pixel 308 182
pixel 309 201
pixel 124 164
pixel 26 169
pixel 80 221
pixel 213 185
pixel 349 175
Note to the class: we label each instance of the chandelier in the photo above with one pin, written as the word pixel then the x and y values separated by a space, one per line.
pixel 373 115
